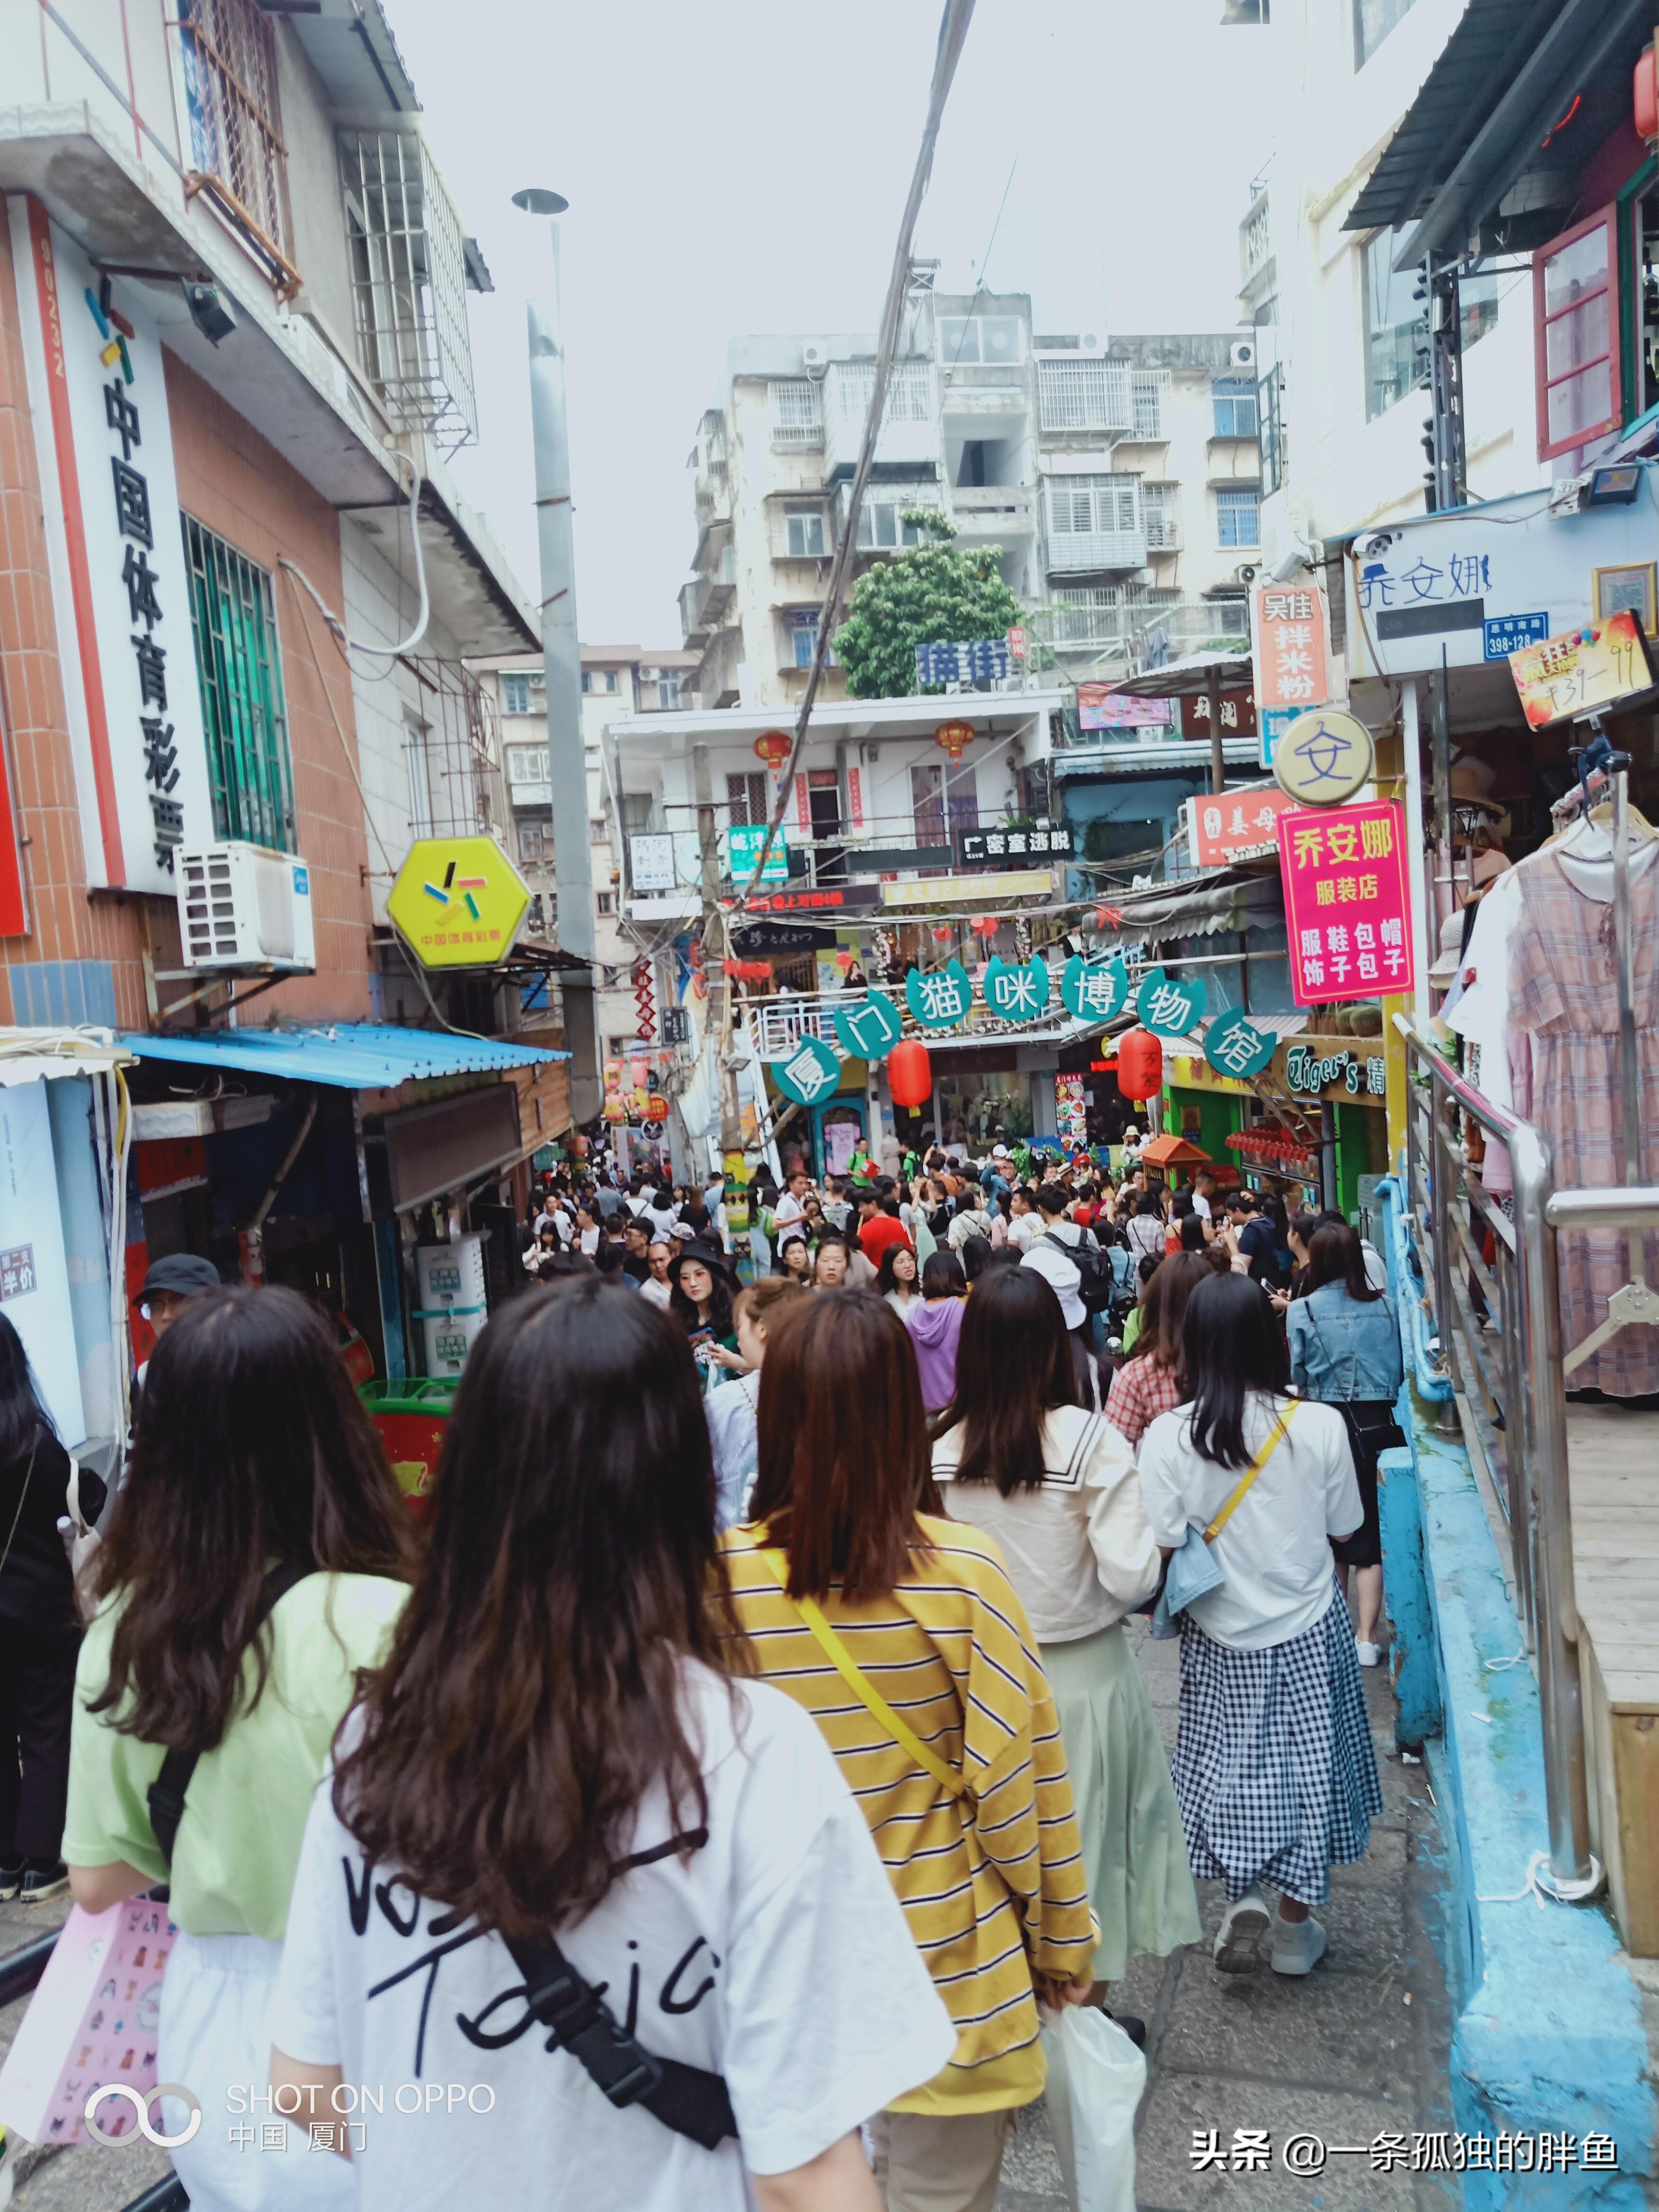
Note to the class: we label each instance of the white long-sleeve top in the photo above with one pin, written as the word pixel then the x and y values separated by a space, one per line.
pixel 1079 1548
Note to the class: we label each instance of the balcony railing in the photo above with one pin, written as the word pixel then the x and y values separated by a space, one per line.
pixel 1169 633
pixel 909 427
pixel 1162 533
pixel 990 510
pixel 1088 552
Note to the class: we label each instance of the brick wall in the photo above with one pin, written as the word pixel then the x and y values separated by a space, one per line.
pixel 241 487
pixel 80 961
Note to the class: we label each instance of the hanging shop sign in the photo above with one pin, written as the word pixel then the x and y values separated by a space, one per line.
pixel 1170 1005
pixel 457 902
pixel 1324 758
pixel 1287 646
pixel 1093 991
pixel 676 1025
pixel 1237 715
pixel 1231 826
pixel 1274 723
pixel 1010 841
pixel 1071 1109
pixel 1574 674
pixel 1024 883
pixel 1017 995
pixel 812 1072
pixel 651 861
pixel 940 998
pixel 821 898
pixel 1234 1046
pixel 871 1030
pixel 121 589
pixel 742 849
pixel 1310 1071
pixel 1100 708
pixel 975 660
pixel 1347 912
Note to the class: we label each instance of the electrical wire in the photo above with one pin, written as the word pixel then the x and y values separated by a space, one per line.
pixel 347 643
pixel 952 33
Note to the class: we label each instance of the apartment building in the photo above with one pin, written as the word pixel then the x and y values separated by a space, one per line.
pixel 1118 481
pixel 239 588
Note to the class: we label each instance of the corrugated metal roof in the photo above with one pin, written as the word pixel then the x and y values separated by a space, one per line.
pixel 353 1055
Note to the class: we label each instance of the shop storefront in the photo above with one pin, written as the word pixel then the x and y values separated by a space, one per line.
pixel 1315 1131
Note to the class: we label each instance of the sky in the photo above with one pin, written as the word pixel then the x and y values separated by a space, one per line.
pixel 741 167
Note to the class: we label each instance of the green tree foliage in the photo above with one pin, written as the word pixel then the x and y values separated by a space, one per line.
pixel 928 594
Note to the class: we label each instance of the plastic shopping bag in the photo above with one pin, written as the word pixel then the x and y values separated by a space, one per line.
pixel 1095 2078
pixel 91 2022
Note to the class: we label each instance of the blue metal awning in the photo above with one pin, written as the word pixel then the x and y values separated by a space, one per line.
pixel 353 1055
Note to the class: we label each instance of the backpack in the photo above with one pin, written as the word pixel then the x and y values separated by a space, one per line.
pixel 1096 1287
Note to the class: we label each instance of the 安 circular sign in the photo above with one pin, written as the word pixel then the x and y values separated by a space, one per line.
pixel 1323 757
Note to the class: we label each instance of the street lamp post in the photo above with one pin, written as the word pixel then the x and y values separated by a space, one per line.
pixel 566 767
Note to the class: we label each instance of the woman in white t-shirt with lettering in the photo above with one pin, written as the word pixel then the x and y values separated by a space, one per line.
pixel 553 1787
pixel 1274 1767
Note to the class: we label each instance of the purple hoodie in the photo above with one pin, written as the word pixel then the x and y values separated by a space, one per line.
pixel 936 1330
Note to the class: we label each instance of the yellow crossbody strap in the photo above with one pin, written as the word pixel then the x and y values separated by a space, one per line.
pixel 1275 1438
pixel 857 1681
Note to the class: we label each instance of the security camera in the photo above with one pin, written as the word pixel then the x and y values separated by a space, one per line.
pixel 1375 547
pixel 208 310
pixel 1291 562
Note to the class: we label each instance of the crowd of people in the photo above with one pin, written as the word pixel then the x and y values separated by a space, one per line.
pixel 750 1732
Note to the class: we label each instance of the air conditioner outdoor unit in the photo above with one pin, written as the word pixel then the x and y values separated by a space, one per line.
pixel 1246 572
pixel 815 356
pixel 243 906
pixel 1243 353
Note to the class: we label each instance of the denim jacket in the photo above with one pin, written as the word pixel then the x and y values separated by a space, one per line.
pixel 1342 1348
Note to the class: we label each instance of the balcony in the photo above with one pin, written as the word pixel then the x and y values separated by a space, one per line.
pixel 967 398
pixel 1170 632
pixel 909 433
pixel 1163 533
pixel 993 512
pixel 1096 552
pixel 408 267
pixel 704 600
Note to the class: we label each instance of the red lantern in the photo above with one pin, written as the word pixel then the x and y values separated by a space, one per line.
pixel 774 747
pixel 909 1073
pixel 1140 1064
pixel 943 934
pixel 954 738
pixel 987 925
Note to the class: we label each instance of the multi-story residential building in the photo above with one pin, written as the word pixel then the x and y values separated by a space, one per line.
pixel 617 679
pixel 237 589
pixel 1118 482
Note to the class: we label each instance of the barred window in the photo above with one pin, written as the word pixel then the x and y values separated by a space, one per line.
pixel 1149 396
pixel 1086 506
pixel 745 796
pixel 239 669
pixel 229 52
pixel 797 414
pixel 1084 395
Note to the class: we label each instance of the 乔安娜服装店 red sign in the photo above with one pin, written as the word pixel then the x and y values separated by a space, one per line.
pixel 1347 914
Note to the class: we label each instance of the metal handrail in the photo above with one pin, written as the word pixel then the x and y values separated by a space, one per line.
pixel 1534 1437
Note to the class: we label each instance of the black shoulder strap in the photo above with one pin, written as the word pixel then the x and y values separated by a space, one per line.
pixel 166 1792
pixel 687 2099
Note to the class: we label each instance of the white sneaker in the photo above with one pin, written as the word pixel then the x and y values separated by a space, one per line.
pixel 1238 1940
pixel 1369 1655
pixel 1298 1946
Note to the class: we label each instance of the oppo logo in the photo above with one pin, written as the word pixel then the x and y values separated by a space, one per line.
pixel 140 2104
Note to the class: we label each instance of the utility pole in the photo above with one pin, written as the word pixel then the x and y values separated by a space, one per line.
pixel 716 951
pixel 567 763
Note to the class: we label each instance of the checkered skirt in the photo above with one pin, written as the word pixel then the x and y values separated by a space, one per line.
pixel 1274 1769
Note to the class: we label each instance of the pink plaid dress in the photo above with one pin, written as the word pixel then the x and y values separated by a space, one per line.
pixel 1564 1064
pixel 1141 1391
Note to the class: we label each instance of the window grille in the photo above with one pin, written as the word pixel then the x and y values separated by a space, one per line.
pixel 1161 505
pixel 230 53
pixel 409 284
pixel 1238 518
pixel 804 637
pixel 1088 506
pixel 1084 395
pixel 745 796
pixel 527 763
pixel 797 412
pixel 1087 614
pixel 239 670
pixel 1149 396
pixel 1233 398
pixel 910 391
pixel 456 785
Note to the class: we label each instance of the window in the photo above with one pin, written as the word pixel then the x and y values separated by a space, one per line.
pixel 1233 398
pixel 1086 506
pixel 881 523
pixel 637 810
pixel 1575 317
pixel 604 901
pixel 1161 506
pixel 746 798
pixel 1238 518
pixel 978 340
pixel 234 627
pixel 536 842
pixel 229 52
pixel 1373 20
pixel 668 687
pixel 1396 327
pixel 596 832
pixel 932 793
pixel 407 263
pixel 797 412
pixel 804 531
pixel 617 1047
pixel 804 637
pixel 1149 393
pixel 1271 432
pixel 525 695
pixel 1084 395
pixel 527 763
pixel 588 679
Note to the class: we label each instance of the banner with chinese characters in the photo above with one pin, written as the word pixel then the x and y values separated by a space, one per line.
pixel 1596 667
pixel 1237 826
pixel 1027 841
pixel 1100 708
pixel 120 592
pixel 1347 911
pixel 1287 646
pixel 1238 714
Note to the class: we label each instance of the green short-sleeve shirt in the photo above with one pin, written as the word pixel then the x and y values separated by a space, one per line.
pixel 245 1812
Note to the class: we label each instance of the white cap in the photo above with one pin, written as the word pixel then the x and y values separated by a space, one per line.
pixel 998 1151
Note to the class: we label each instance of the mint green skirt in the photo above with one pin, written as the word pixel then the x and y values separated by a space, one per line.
pixel 1133 1850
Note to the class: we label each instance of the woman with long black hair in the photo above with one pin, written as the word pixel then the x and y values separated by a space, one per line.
pixel 552 1782
pixel 255 1560
pixel 1056 1485
pixel 39 1634
pixel 1275 1768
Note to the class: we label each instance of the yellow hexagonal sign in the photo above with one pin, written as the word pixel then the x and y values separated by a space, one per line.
pixel 457 902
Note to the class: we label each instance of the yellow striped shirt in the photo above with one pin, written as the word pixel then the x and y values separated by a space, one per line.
pixel 992 1880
